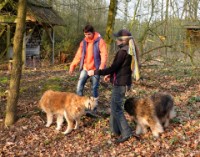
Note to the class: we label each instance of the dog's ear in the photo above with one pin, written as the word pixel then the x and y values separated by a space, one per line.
pixel 128 106
pixel 91 98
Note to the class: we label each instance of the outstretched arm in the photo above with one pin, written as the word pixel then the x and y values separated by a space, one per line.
pixel 76 59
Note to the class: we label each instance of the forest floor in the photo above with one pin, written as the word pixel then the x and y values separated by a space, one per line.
pixel 29 136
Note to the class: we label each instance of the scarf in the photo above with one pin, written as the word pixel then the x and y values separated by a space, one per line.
pixel 132 52
pixel 134 63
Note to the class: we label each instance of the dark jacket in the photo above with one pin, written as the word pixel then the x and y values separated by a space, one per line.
pixel 120 69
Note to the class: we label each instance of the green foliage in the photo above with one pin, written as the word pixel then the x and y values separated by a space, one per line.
pixel 194 99
pixel 174 140
pixel 74 78
pixel 4 80
pixel 65 41
pixel 76 16
pixel 142 92
pixel 52 83
pixel 66 68
pixel 47 142
pixel 176 120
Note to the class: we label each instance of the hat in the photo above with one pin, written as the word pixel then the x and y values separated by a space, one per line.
pixel 122 32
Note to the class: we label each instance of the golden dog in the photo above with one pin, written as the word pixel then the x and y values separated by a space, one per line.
pixel 154 112
pixel 65 104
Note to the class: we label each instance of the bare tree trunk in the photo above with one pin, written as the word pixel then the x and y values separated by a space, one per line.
pixel 147 28
pixel 190 10
pixel 166 24
pixel 11 106
pixel 110 23
pixel 126 13
pixel 195 7
pixel 162 10
pixel 134 15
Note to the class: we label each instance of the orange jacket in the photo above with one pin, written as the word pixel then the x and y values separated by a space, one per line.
pixel 89 57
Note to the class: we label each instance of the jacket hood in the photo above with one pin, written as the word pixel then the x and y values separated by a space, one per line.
pixel 96 35
pixel 123 47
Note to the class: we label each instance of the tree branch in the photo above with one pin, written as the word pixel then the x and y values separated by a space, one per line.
pixel 159 47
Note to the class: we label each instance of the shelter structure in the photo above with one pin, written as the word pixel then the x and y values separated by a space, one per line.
pixel 193 34
pixel 40 16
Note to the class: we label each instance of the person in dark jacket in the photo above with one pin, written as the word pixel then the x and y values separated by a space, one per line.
pixel 120 75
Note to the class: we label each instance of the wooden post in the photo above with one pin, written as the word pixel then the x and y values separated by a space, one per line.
pixel 53 42
pixel 34 62
pixel 8 42
pixel 10 65
pixel 51 37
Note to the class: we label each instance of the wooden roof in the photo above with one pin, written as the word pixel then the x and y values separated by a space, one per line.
pixel 192 25
pixel 37 11
pixel 43 13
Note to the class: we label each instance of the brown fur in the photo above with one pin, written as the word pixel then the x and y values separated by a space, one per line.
pixel 153 111
pixel 66 104
pixel 63 57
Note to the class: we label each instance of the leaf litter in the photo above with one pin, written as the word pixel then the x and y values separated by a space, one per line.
pixel 29 136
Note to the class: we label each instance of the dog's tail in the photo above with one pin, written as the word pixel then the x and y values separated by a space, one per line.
pixel 45 98
pixel 42 101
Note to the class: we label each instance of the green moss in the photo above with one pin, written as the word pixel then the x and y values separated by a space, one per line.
pixel 4 80
pixel 73 78
pixel 66 68
pixel 194 99
pixel 52 83
pixel 174 140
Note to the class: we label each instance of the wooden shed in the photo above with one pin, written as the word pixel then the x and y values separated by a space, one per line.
pixel 193 34
pixel 40 16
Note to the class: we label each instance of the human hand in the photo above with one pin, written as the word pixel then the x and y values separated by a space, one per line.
pixel 71 70
pixel 90 72
pixel 106 78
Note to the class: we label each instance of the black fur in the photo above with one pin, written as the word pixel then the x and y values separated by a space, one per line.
pixel 162 102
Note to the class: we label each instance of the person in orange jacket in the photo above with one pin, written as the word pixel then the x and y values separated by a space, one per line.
pixel 92 55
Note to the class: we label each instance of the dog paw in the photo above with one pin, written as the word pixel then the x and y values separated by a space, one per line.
pixel 166 124
pixel 47 125
pixel 156 134
pixel 144 131
pixel 76 128
pixel 58 128
pixel 138 132
pixel 161 130
pixel 66 132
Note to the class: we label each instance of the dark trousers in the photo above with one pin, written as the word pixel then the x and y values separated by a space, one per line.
pixel 118 122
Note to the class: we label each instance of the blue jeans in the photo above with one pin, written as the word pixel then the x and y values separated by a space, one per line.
pixel 118 122
pixel 82 81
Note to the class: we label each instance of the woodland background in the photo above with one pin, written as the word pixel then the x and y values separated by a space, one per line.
pixel 168 35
